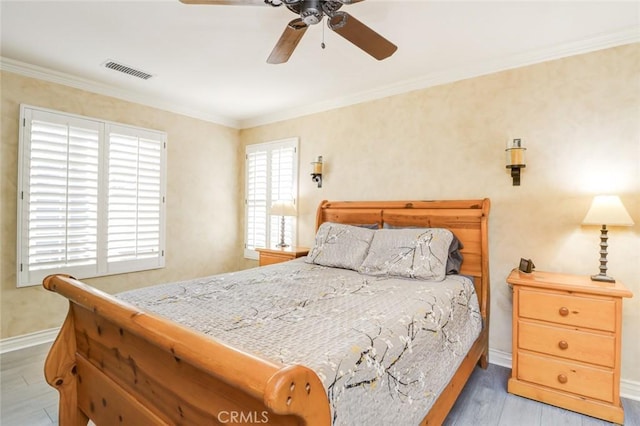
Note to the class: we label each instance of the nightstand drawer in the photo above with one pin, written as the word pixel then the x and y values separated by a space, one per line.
pixel 571 377
pixel 596 348
pixel 568 309
pixel 270 259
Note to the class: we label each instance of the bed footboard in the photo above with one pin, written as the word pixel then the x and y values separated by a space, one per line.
pixel 117 365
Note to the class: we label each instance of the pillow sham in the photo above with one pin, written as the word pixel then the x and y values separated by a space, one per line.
pixel 455 258
pixel 411 253
pixel 340 246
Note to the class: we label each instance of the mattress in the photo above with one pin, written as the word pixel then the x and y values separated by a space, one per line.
pixel 374 342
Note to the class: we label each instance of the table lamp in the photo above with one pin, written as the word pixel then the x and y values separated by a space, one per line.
pixel 283 208
pixel 606 210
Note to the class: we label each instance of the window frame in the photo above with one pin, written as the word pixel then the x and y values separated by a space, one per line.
pixel 24 276
pixel 269 147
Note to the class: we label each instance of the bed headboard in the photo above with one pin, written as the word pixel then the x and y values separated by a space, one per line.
pixel 467 219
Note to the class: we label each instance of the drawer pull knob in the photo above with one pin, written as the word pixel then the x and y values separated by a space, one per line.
pixel 562 344
pixel 562 378
pixel 563 311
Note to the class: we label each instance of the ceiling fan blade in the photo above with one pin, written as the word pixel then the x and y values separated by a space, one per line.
pixel 350 1
pixel 288 41
pixel 361 35
pixel 227 2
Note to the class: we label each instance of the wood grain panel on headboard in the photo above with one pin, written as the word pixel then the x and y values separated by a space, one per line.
pixel 353 216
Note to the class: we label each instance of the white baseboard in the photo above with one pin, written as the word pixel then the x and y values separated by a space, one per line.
pixel 11 344
pixel 628 388
pixel 501 358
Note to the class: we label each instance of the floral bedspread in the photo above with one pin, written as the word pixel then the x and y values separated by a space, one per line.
pixel 384 348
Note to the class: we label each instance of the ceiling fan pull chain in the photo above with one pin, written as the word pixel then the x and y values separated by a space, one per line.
pixel 322 44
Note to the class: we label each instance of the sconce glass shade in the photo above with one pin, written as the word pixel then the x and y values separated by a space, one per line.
pixel 515 157
pixel 317 165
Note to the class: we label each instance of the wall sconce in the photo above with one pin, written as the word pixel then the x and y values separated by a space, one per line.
pixel 606 210
pixel 316 175
pixel 515 159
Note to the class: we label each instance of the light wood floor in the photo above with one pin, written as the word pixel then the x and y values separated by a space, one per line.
pixel 26 399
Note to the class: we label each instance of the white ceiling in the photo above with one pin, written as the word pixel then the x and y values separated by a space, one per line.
pixel 209 61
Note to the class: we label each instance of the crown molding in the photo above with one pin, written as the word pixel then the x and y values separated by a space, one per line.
pixel 604 41
pixel 46 74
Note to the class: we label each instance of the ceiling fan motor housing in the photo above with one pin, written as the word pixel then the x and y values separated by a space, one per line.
pixel 312 11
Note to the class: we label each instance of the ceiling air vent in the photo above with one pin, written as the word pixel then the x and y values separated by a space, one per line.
pixel 127 70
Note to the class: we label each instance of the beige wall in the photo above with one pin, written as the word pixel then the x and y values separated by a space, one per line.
pixel 202 194
pixel 579 118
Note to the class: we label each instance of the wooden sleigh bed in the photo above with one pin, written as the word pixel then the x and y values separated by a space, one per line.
pixel 116 364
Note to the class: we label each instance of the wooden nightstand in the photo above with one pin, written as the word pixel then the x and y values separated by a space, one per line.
pixel 269 256
pixel 566 342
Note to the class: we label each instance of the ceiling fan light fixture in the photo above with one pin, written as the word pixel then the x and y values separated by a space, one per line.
pixel 311 16
pixel 337 21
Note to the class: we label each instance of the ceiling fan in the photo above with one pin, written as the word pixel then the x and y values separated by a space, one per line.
pixel 312 12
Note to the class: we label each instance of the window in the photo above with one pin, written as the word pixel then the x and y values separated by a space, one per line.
pixel 90 197
pixel 271 175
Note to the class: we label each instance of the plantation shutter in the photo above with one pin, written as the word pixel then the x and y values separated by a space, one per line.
pixel 134 197
pixel 60 200
pixel 271 175
pixel 90 197
pixel 256 202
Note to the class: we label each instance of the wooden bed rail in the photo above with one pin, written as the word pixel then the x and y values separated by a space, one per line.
pixel 115 364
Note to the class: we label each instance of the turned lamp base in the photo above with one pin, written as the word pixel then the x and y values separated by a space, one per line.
pixel 282 244
pixel 602 276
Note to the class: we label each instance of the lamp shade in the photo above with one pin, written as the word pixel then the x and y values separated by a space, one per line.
pixel 607 210
pixel 283 208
